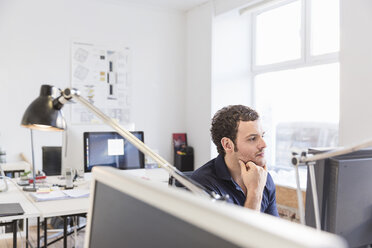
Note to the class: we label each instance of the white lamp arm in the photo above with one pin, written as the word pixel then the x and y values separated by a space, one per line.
pixel 304 158
pixel 193 186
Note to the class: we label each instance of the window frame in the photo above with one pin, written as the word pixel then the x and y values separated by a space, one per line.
pixel 306 59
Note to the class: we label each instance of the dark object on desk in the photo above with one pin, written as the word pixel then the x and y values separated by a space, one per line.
pixel 10 209
pixel 173 182
pixel 52 160
pixel 184 159
pixel 344 195
pixel 111 149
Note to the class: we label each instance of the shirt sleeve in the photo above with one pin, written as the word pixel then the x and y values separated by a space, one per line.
pixel 271 209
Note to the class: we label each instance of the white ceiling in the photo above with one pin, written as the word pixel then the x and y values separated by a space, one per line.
pixel 182 5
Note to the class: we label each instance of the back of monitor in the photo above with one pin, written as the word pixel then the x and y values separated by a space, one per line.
pixel 144 214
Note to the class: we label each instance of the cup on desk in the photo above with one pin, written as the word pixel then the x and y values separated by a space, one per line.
pixel 150 163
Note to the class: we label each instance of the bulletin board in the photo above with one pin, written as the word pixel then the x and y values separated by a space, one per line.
pixel 102 75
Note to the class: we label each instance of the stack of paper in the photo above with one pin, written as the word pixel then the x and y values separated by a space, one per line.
pixel 77 193
pixel 52 195
pixel 60 194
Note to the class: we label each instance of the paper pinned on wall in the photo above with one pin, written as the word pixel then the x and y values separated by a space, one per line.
pixel 102 75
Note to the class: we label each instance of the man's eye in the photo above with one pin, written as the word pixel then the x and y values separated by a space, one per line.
pixel 252 139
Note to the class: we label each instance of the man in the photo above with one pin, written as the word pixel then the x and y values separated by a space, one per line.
pixel 240 168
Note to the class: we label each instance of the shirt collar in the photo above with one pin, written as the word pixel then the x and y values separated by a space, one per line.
pixel 221 168
pixel 223 173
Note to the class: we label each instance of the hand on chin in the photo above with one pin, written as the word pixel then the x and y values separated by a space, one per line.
pixel 260 162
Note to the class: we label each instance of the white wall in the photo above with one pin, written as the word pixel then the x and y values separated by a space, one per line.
pixel 214 78
pixel 198 90
pixel 35 49
pixel 231 62
pixel 355 71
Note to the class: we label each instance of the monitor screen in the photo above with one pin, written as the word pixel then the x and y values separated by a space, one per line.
pixel 111 149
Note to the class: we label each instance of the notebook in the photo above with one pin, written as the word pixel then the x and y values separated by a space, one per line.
pixel 9 209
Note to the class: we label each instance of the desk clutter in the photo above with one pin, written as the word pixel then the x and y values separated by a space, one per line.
pixel 56 187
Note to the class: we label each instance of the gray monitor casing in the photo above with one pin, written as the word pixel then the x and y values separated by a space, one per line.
pixel 133 211
pixel 344 187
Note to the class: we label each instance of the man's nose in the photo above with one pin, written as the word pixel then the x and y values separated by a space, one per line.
pixel 262 143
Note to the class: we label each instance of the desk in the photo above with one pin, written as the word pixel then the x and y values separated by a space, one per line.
pixel 66 207
pixel 14 195
pixel 63 208
pixel 69 207
pixel 156 175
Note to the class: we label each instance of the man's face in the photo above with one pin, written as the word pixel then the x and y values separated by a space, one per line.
pixel 249 145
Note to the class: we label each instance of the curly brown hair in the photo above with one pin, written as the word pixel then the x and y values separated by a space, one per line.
pixel 225 123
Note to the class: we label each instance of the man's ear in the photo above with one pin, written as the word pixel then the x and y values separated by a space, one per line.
pixel 227 144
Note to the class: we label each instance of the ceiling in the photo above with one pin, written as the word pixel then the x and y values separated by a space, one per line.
pixel 182 5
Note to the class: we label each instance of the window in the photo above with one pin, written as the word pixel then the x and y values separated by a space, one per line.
pixel 277 38
pixel 295 75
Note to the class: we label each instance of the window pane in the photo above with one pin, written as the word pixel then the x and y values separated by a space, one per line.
pixel 325 26
pixel 299 109
pixel 278 34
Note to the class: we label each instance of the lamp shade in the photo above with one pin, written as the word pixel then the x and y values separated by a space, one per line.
pixel 42 114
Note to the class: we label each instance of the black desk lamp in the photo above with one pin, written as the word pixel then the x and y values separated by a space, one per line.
pixel 43 114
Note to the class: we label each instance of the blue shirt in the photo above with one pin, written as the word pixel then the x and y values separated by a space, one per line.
pixel 215 176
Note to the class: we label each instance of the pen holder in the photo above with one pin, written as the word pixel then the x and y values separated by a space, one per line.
pixel 184 159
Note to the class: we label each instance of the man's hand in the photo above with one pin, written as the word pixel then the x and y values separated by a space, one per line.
pixel 254 178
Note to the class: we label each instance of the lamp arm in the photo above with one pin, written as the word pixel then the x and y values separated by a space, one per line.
pixel 303 158
pixel 193 186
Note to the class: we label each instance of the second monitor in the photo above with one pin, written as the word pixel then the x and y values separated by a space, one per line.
pixel 111 149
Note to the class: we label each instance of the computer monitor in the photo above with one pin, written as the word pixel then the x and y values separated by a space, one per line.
pixel 344 187
pixel 52 161
pixel 144 213
pixel 111 149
